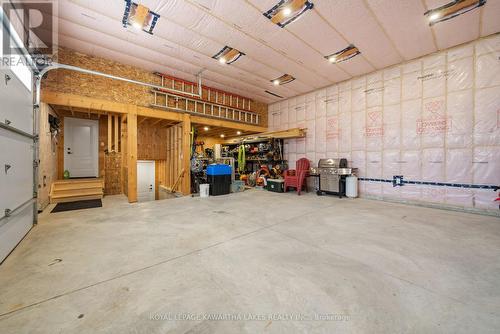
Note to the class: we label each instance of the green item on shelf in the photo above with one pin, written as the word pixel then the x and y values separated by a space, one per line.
pixel 66 174
pixel 241 158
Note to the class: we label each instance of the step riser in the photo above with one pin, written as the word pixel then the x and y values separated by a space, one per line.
pixel 76 190
pixel 57 189
pixel 74 199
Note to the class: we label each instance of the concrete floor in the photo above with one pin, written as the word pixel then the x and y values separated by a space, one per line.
pixel 364 266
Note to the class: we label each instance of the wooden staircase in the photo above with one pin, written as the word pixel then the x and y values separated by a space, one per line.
pixel 73 190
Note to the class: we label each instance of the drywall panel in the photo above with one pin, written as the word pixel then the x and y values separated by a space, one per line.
pixel 435 121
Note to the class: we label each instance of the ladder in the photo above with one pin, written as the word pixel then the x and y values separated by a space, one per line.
pixel 209 94
pixel 170 101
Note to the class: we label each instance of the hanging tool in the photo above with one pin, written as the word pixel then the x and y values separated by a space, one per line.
pixel 241 158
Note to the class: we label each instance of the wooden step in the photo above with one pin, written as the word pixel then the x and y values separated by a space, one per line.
pixel 76 190
pixel 75 199
pixel 81 185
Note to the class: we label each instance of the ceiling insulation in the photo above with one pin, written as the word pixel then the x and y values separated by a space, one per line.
pixel 190 32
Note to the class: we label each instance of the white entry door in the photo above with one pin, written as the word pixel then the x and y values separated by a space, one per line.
pixel 145 180
pixel 81 147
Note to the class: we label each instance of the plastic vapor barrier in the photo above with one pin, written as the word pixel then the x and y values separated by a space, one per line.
pixel 434 121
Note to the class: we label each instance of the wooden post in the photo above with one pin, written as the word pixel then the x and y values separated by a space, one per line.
pixel 117 121
pixel 186 154
pixel 110 133
pixel 132 153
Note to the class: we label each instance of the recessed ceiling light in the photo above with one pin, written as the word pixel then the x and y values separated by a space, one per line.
pixel 238 133
pixel 206 128
pixel 451 10
pixel 434 17
pixel 287 11
pixel 139 17
pixel 228 55
pixel 343 55
pixel 222 135
pixel 284 79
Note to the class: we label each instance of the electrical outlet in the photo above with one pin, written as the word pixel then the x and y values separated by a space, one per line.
pixel 397 180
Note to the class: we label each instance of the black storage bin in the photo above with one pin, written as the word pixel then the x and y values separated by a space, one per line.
pixel 219 184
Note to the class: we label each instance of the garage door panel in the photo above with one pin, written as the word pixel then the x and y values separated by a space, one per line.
pixel 16 180
pixel 14 228
pixel 17 103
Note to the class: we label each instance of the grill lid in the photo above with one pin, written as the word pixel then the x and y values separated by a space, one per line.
pixel 332 163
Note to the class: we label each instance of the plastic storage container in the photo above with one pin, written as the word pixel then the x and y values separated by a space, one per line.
pixel 277 186
pixel 219 178
pixel 351 186
pixel 238 186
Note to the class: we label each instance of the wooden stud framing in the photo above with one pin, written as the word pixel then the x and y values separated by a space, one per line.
pixel 132 153
pixel 186 156
pixel 110 134
pixel 117 121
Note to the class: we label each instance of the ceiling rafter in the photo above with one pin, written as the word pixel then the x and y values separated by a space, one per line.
pixel 259 41
pixel 301 40
pixel 346 40
pixel 192 50
pixel 369 8
pixel 182 60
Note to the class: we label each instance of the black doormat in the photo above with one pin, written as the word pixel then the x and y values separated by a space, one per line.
pixel 68 206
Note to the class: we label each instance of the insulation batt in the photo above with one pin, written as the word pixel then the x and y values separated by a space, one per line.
pixel 434 119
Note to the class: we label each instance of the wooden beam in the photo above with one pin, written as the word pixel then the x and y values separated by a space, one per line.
pixel 186 154
pixel 290 133
pixel 156 113
pixel 95 105
pixel 132 153
pixel 227 124
pixel 110 132
pixel 72 100
pixel 117 121
pixel 157 121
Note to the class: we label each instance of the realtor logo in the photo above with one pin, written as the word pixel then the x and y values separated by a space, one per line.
pixel 32 26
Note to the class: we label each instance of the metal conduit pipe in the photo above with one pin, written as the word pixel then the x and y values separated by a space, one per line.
pixel 55 66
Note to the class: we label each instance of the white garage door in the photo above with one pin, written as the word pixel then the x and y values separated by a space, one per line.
pixel 17 207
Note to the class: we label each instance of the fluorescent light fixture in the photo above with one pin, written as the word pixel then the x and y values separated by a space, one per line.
pixel 284 79
pixel 451 10
pixel 139 17
pixel 287 11
pixel 343 55
pixel 274 94
pixel 228 55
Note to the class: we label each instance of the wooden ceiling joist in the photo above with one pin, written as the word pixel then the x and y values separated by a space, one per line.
pixel 285 134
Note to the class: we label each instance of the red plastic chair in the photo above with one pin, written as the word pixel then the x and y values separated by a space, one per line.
pixel 296 177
